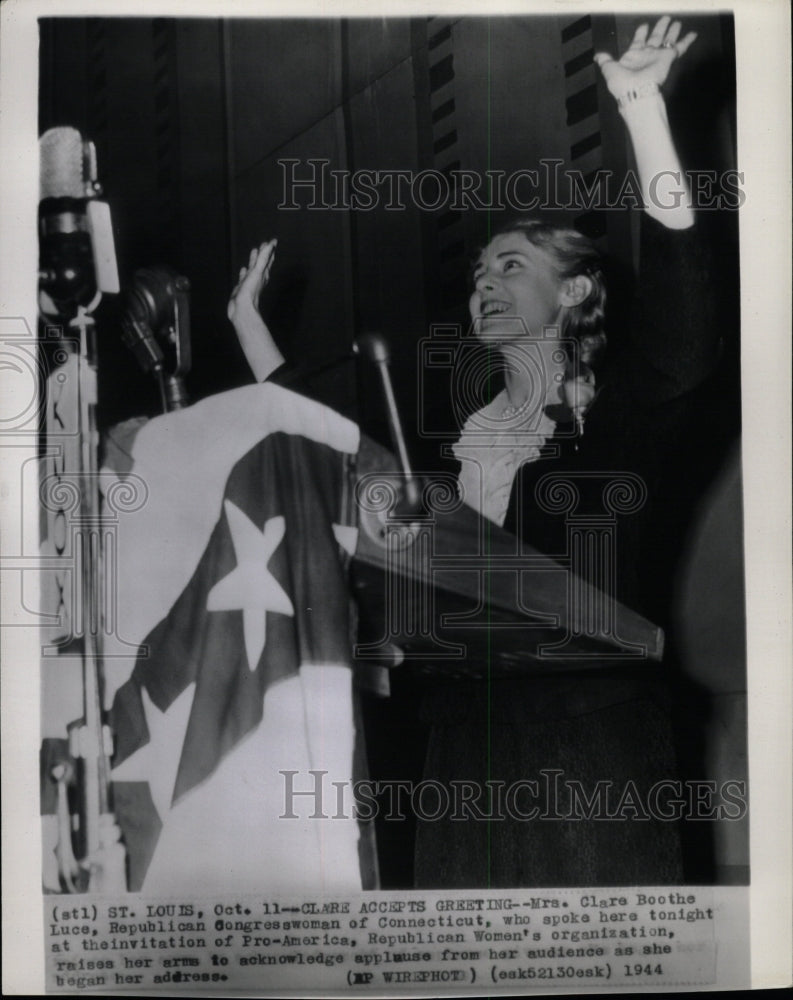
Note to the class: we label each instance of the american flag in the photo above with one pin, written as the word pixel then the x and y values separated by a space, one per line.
pixel 231 594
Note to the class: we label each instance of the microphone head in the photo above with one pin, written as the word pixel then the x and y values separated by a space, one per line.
pixel 62 163
pixel 373 347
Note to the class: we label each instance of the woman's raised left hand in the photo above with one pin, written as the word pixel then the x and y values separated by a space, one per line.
pixel 244 299
pixel 647 60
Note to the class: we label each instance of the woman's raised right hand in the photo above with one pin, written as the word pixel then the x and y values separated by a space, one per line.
pixel 648 59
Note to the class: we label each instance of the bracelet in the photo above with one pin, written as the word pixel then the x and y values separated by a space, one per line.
pixel 636 94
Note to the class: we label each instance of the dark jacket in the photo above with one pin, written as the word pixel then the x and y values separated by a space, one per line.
pixel 650 419
pixel 641 462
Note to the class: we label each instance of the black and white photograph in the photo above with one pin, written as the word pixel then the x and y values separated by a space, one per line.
pixel 396 504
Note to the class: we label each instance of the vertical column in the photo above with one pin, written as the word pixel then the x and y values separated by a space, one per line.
pixel 98 118
pixel 433 57
pixel 583 118
pixel 166 132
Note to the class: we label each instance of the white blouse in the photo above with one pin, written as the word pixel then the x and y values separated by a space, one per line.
pixel 494 443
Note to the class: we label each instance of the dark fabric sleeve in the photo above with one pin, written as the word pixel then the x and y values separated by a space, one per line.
pixel 305 380
pixel 675 337
pixel 289 376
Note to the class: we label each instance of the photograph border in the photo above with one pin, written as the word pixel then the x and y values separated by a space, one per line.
pixel 763 68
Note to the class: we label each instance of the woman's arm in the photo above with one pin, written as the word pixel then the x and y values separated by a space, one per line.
pixel 254 336
pixel 635 81
pixel 674 338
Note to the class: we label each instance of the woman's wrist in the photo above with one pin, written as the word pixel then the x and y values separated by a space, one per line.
pixel 634 94
pixel 246 318
pixel 641 106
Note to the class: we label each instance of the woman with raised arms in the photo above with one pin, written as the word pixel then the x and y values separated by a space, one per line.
pixel 551 757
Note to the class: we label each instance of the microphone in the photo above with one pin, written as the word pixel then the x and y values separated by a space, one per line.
pixel 374 348
pixel 156 322
pixel 62 164
pixel 77 258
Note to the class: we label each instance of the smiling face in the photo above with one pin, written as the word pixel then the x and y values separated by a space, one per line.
pixel 517 291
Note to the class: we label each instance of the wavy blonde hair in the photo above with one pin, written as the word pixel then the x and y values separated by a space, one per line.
pixel 573 254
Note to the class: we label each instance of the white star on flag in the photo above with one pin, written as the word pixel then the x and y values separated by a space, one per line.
pixel 251 587
pixel 157 761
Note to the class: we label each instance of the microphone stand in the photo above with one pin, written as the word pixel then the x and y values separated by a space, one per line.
pixel 104 859
pixel 373 347
pixel 77 264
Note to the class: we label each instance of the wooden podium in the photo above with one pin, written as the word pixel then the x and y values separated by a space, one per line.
pixel 449 594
